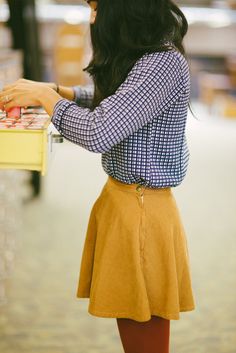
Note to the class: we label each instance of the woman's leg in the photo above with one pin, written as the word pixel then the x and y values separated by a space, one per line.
pixel 144 337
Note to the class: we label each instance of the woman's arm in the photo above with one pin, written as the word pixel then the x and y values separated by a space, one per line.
pixel 82 95
pixel 24 94
pixel 63 91
pixel 30 93
pixel 155 83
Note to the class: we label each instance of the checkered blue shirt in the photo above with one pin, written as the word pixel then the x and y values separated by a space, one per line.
pixel 140 129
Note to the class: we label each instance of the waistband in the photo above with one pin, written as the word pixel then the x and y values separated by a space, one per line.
pixel 136 188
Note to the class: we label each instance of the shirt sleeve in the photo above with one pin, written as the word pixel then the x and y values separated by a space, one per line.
pixel 154 83
pixel 84 95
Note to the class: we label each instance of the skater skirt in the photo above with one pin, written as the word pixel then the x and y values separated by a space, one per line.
pixel 135 261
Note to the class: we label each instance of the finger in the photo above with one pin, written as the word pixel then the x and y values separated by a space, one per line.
pixel 10 86
pixel 13 102
pixel 10 105
pixel 13 84
pixel 4 94
pixel 18 83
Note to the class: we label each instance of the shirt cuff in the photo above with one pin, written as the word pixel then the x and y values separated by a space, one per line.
pixel 60 107
pixel 77 93
pixel 83 95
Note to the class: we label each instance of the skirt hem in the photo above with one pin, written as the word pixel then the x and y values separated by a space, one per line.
pixel 128 315
pixel 134 317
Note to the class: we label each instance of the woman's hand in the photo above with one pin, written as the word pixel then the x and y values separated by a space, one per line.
pixel 21 93
pixel 24 93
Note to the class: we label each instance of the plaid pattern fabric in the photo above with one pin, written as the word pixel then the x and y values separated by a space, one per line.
pixel 84 96
pixel 140 129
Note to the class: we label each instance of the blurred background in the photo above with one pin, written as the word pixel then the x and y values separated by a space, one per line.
pixel 43 220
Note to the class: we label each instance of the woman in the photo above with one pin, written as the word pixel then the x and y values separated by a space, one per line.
pixel 135 263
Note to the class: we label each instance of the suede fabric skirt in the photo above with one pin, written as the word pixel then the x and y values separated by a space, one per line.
pixel 135 261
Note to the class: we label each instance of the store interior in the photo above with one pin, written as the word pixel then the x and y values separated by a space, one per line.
pixel 43 218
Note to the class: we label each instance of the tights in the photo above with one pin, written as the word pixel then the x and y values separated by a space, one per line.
pixel 144 337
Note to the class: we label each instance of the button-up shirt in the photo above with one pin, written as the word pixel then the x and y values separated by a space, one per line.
pixel 140 129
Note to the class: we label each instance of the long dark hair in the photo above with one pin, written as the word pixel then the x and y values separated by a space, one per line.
pixel 125 30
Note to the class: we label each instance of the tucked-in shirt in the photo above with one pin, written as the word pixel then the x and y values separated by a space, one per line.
pixel 140 129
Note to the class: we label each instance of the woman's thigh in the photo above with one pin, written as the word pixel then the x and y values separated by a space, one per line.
pixel 144 337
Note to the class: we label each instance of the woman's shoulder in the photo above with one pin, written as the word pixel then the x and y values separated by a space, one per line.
pixel 157 64
pixel 153 67
pixel 164 58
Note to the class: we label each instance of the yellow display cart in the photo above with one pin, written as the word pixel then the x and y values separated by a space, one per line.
pixel 27 148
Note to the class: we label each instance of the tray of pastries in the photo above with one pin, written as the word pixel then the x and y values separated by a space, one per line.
pixel 26 139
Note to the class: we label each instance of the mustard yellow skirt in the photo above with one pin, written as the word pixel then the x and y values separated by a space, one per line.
pixel 135 261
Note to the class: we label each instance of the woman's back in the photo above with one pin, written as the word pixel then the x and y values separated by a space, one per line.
pixel 140 129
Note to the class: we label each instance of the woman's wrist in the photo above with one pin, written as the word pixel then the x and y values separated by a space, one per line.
pixel 48 98
pixel 63 91
pixel 54 86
